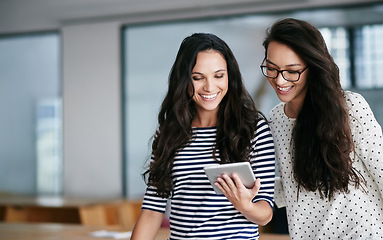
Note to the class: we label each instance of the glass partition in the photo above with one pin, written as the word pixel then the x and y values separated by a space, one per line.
pixel 30 126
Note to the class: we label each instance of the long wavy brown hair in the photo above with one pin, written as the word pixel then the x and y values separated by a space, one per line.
pixel 321 138
pixel 237 114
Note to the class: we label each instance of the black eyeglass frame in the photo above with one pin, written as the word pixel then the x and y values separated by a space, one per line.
pixel 281 71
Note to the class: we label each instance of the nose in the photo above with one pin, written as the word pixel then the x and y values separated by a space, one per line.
pixel 280 80
pixel 209 85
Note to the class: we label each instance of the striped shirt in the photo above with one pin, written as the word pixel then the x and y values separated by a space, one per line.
pixel 197 212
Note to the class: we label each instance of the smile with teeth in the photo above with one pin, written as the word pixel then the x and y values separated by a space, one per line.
pixel 284 89
pixel 211 96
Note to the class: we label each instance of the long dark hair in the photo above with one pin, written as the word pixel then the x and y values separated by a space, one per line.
pixel 322 136
pixel 237 115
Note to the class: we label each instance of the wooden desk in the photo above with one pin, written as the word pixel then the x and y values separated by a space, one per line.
pixel 90 212
pixel 39 218
pixel 49 231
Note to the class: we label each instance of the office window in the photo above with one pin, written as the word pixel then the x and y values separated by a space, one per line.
pixel 369 56
pixel 366 65
pixel 337 41
pixel 48 144
pixel 30 125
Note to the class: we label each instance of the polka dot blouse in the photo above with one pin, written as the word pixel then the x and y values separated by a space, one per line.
pixel 356 215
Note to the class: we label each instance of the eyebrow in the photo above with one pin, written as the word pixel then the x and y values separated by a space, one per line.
pixel 221 70
pixel 289 65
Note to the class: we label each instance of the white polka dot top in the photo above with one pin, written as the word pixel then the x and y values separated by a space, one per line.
pixel 356 215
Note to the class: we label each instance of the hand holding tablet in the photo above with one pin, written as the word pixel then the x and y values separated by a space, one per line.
pixel 242 169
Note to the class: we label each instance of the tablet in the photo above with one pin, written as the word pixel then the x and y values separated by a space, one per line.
pixel 243 169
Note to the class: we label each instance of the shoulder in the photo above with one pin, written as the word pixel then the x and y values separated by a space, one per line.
pixel 261 117
pixel 362 118
pixel 263 128
pixel 261 121
pixel 276 111
pixel 355 100
pixel 357 105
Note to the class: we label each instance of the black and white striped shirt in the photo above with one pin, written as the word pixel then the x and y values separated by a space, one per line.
pixel 197 212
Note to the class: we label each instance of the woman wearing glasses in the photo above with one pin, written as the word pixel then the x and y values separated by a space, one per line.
pixel 328 143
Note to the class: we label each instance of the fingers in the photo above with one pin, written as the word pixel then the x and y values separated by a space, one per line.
pixel 233 182
pixel 237 180
pixel 229 184
pixel 225 183
pixel 257 186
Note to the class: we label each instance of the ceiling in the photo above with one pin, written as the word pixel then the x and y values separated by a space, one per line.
pixel 40 15
pixel 32 15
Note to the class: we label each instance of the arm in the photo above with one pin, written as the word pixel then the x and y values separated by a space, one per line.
pixel 147 225
pixel 367 134
pixel 279 194
pixel 256 203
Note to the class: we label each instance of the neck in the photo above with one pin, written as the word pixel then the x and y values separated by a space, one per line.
pixel 292 110
pixel 205 120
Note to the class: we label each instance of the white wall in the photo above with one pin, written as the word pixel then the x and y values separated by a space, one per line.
pixel 92 110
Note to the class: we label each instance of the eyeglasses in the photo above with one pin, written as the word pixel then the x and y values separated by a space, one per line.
pixel 288 75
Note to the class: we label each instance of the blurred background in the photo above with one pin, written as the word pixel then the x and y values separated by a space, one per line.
pixel 81 81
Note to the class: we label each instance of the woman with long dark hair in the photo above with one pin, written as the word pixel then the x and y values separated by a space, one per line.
pixel 328 144
pixel 207 117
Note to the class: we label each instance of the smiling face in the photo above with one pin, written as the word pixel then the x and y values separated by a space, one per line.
pixel 210 81
pixel 282 57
